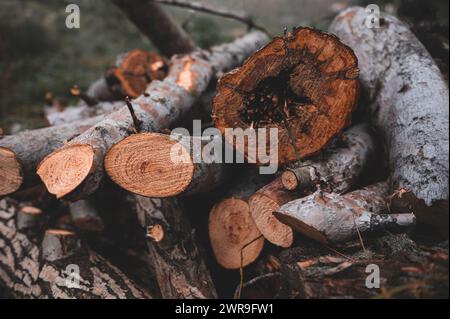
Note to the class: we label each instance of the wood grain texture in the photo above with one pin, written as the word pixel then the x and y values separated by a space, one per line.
pixel 305 84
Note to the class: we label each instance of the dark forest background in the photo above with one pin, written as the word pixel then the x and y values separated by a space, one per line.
pixel 38 54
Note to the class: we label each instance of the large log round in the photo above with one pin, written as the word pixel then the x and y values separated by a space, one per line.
pixel 304 83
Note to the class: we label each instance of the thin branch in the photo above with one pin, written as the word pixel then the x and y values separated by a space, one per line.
pixel 136 122
pixel 240 16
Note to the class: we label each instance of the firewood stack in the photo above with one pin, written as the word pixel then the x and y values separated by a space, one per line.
pixel 96 207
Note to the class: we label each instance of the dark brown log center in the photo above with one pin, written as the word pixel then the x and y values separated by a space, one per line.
pixel 274 101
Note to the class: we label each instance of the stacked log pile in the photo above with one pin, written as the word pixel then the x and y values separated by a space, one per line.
pixel 343 187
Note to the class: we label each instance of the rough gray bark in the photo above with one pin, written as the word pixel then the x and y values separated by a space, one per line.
pixel 169 100
pixel 30 147
pixel 25 274
pixel 333 218
pixel 410 104
pixel 158 26
pixel 80 112
pixel 172 250
pixel 338 168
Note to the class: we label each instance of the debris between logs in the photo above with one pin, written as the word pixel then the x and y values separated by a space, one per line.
pixel 76 170
pixel 26 275
pixel 331 218
pixel 337 169
pixel 410 104
pixel 172 250
pixel 85 216
pixel 159 165
pixel 304 84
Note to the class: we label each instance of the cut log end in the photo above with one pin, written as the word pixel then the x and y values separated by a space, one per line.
pixel 289 180
pixel 137 69
pixel 150 164
pixel 65 169
pixel 231 228
pixel 305 84
pixel 262 208
pixel 11 177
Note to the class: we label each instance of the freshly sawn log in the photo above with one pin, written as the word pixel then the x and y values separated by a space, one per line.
pixel 410 104
pixel 77 168
pixel 159 165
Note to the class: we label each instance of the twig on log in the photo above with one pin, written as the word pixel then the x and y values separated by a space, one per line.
pixel 90 101
pixel 410 102
pixel 240 16
pixel 77 169
pixel 331 218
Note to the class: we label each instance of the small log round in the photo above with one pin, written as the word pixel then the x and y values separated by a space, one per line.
pixel 75 161
pixel 230 229
pixel 262 204
pixel 59 244
pixel 158 165
pixel 305 84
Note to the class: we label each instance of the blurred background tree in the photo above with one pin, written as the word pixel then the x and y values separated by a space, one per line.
pixel 39 54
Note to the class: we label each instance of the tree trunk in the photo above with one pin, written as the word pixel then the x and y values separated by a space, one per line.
pixel 410 101
pixel 21 153
pixel 76 170
pixel 337 169
pixel 172 166
pixel 158 26
pixel 331 218
pixel 172 250
pixel 29 270
pixel 305 84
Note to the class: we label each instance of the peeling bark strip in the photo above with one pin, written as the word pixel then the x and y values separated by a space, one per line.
pixel 304 83
pixel 158 26
pixel 338 169
pixel 155 165
pixel 410 105
pixel 129 76
pixel 172 250
pixel 26 275
pixel 231 227
pixel 21 153
pixel 333 218
pixel 77 168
